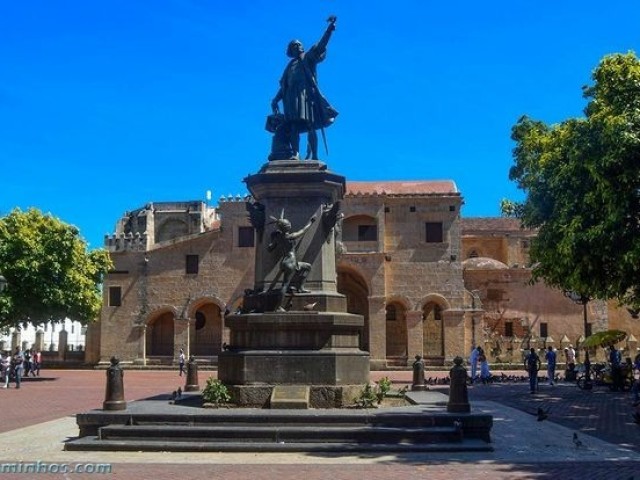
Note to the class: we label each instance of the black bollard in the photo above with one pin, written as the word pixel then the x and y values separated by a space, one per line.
pixel 418 375
pixel 458 394
pixel 192 375
pixel 114 396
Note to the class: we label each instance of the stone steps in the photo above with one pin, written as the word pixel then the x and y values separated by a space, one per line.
pixel 94 444
pixel 281 434
pixel 156 425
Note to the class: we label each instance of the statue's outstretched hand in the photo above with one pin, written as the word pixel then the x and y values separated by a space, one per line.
pixel 274 107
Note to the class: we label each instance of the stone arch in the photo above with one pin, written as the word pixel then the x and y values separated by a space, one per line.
pixel 205 329
pixel 353 285
pixel 160 330
pixel 396 331
pixel 435 298
pixel 433 308
pixel 400 300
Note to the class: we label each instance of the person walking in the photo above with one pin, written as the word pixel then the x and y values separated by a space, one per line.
pixel 615 360
pixel 550 357
pixel 181 359
pixel 570 360
pixel 18 365
pixel 532 366
pixel 37 362
pixel 485 373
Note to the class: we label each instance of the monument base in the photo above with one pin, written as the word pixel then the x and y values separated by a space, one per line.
pixel 294 367
pixel 320 396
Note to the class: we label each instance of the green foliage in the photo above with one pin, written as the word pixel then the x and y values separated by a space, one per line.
pixel 509 208
pixel 215 392
pixel 582 181
pixel 371 397
pixel 49 272
pixel 383 387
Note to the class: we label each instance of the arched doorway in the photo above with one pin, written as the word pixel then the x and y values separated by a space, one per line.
pixel 353 286
pixel 433 332
pixel 206 333
pixel 396 333
pixel 160 335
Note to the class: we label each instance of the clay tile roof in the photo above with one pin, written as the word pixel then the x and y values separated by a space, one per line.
pixel 417 187
pixel 490 224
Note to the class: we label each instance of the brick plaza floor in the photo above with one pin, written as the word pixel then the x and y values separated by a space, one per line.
pixel 36 419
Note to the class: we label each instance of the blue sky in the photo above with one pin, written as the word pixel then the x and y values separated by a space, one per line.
pixel 108 105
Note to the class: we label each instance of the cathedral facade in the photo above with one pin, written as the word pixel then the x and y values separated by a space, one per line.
pixel 427 281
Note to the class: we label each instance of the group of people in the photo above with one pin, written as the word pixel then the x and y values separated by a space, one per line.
pixel 479 357
pixel 13 367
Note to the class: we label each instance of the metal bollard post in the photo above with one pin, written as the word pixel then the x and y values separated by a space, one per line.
pixel 458 394
pixel 418 375
pixel 192 375
pixel 114 396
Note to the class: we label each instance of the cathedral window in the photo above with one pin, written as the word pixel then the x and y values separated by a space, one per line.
pixel 433 232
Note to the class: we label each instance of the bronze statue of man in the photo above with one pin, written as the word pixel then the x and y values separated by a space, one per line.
pixel 305 109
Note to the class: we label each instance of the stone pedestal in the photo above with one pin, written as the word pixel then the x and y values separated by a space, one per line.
pixel 284 338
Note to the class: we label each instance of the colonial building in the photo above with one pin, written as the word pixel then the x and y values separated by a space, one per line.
pixel 427 281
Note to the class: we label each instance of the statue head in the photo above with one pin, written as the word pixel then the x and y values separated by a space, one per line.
pixel 294 48
pixel 284 225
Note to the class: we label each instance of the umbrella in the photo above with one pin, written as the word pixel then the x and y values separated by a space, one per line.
pixel 602 339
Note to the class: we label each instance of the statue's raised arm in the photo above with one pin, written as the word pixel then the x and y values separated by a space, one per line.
pixel 322 44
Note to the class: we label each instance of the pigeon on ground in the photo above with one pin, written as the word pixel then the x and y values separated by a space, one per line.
pixel 576 441
pixel 542 415
pixel 309 306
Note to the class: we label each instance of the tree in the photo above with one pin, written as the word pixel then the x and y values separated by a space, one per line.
pixel 582 184
pixel 50 275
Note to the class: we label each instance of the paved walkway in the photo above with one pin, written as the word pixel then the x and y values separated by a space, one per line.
pixel 37 418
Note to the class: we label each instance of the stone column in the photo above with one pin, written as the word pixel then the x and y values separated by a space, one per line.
pixel 415 333
pixel 181 337
pixel 453 326
pixel 377 332
pixel 39 345
pixel 144 345
pixel 15 340
pixel 62 344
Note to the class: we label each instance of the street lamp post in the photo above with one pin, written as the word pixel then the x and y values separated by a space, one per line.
pixel 581 299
